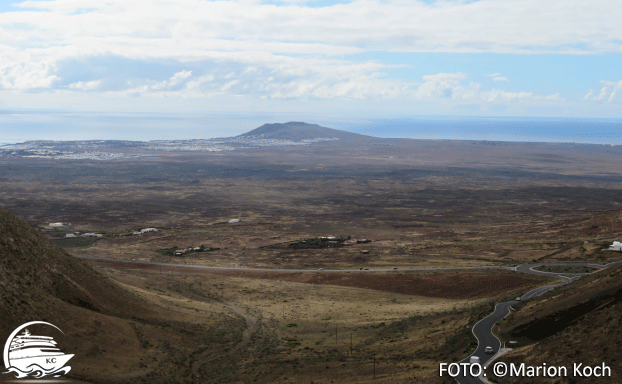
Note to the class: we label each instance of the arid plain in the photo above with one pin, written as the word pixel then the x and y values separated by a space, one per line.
pixel 420 203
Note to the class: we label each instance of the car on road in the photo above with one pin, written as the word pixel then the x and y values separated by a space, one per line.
pixel 395 268
pixel 518 298
pixel 474 360
pixel 321 269
pixel 489 350
pixel 366 269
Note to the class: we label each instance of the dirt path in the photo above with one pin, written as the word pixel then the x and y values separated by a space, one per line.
pixel 205 358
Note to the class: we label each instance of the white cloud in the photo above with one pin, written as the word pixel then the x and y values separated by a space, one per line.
pixel 446 86
pixel 23 71
pixel 616 87
pixel 229 85
pixel 453 86
pixel 291 51
pixel 176 79
pixel 603 93
pixel 85 85
pixel 198 82
pixel 587 96
pixel 497 77
pixel 553 97
pixel 609 91
pixel 499 95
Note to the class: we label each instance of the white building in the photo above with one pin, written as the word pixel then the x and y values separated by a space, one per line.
pixel 145 230
pixel 56 225
pixel 616 246
pixel 233 221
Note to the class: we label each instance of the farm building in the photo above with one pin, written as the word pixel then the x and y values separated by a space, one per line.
pixel 616 246
pixel 145 230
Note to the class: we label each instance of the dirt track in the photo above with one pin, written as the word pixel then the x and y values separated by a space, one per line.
pixel 447 285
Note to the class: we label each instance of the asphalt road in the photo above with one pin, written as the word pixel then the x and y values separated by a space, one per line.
pixel 482 330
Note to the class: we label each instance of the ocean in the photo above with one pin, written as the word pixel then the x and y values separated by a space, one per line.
pixel 20 126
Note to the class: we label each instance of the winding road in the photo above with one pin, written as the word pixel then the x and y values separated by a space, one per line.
pixel 482 330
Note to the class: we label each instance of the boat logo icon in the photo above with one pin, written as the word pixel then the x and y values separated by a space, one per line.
pixel 28 355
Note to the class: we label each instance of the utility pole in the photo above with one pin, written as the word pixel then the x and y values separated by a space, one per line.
pixel 374 367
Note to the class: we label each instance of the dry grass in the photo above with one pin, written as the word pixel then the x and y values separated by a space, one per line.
pixel 303 333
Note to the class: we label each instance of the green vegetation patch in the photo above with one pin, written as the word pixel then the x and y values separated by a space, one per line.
pixel 75 242
pixel 291 341
pixel 320 242
pixel 171 251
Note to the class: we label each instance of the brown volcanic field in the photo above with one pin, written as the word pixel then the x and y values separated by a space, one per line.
pixel 422 203
pixel 445 285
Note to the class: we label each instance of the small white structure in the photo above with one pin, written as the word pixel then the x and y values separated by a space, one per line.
pixel 616 246
pixel 91 234
pixel 70 235
pixel 145 230
pixel 56 225
pixel 233 221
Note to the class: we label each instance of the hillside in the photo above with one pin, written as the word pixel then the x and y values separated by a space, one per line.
pixel 579 322
pixel 297 131
pixel 36 276
pixel 117 336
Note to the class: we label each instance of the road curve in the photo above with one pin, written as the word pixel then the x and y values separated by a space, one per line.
pixel 482 330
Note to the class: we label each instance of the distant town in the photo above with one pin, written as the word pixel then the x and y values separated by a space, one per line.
pixel 109 149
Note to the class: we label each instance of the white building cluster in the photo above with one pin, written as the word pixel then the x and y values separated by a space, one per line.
pixel 145 230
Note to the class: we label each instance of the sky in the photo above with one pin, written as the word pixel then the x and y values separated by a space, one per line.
pixel 369 59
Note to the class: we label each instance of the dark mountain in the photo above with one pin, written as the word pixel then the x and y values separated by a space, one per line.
pixel 297 131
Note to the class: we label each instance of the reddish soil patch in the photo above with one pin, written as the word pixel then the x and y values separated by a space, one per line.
pixel 448 285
